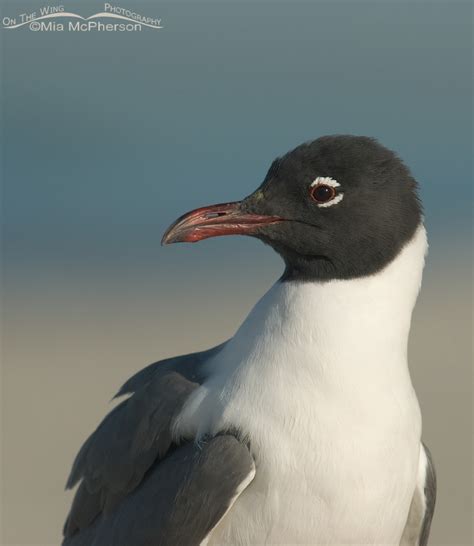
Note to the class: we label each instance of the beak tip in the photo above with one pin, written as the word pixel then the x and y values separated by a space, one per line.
pixel 170 237
pixel 166 240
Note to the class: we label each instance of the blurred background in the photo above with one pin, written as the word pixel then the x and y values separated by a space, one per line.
pixel 108 137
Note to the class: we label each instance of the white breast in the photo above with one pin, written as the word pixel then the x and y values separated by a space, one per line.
pixel 317 379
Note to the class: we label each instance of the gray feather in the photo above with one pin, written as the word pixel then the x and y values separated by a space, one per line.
pixel 132 438
pixel 181 501
pixel 417 528
pixel 189 366
pixel 430 498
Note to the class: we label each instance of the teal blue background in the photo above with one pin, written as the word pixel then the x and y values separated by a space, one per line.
pixel 108 137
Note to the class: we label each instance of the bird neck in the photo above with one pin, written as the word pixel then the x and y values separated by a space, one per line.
pixel 343 342
pixel 325 325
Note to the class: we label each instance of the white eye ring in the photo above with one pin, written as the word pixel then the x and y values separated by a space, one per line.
pixel 327 181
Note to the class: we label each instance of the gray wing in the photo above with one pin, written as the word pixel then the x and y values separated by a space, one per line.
pixel 417 529
pixel 182 499
pixel 189 366
pixel 119 458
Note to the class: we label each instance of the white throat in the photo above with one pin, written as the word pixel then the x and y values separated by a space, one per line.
pixel 349 335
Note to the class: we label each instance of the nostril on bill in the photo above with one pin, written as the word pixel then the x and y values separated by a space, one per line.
pixel 211 215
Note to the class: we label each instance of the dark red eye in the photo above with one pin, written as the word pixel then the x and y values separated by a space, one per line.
pixel 322 193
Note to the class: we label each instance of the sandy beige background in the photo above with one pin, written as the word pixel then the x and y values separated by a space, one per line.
pixel 70 340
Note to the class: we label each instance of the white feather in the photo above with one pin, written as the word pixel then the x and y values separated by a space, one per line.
pixel 317 378
pixel 327 180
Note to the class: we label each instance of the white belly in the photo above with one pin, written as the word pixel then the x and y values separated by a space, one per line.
pixel 350 485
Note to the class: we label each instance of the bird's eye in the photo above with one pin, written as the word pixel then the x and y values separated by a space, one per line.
pixel 324 191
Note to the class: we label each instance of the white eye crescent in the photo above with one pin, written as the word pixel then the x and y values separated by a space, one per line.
pixel 323 190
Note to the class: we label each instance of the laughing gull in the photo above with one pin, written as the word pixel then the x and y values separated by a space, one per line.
pixel 304 427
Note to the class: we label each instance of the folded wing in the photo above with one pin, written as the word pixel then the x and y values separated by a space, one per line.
pixel 135 485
